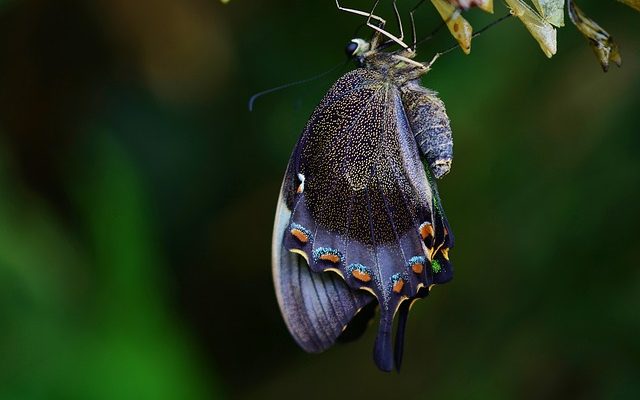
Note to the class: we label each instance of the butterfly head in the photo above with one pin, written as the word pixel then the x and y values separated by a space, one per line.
pixel 356 49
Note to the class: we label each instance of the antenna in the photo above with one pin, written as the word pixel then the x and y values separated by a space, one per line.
pixel 253 98
pixel 485 28
pixel 413 24
pixel 439 27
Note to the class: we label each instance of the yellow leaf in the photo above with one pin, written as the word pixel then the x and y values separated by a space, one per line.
pixel 601 42
pixel 459 27
pixel 551 11
pixel 542 31
pixel 632 3
pixel 485 5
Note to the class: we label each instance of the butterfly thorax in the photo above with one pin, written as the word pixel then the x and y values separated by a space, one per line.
pixel 398 67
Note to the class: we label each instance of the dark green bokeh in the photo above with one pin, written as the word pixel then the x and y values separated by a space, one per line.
pixel 138 194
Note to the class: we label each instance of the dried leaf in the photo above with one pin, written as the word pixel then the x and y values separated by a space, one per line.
pixel 551 11
pixel 485 5
pixel 632 3
pixel 459 27
pixel 542 31
pixel 601 42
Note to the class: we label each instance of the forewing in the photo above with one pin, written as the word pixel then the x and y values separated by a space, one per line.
pixel 361 204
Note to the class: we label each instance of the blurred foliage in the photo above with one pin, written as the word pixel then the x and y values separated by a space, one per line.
pixel 138 197
pixel 76 332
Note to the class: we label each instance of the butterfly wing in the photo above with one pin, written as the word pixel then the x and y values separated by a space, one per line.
pixel 316 307
pixel 359 203
pixel 430 125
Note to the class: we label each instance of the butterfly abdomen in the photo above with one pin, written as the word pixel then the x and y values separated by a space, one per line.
pixel 430 125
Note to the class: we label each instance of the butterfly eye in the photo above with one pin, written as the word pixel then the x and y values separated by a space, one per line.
pixel 356 47
pixel 351 49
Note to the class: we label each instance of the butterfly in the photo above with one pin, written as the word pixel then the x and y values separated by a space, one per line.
pixel 359 221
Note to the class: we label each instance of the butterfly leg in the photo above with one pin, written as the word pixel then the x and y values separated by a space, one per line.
pixel 400 26
pixel 413 24
pixel 371 16
pixel 398 40
pixel 397 13
pixel 433 60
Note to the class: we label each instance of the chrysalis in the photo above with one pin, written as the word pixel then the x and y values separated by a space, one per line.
pixel 632 3
pixel 359 219
pixel 551 11
pixel 541 30
pixel 459 27
pixel 603 45
pixel 485 5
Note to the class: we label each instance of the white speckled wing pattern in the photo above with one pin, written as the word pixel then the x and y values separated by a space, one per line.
pixel 357 201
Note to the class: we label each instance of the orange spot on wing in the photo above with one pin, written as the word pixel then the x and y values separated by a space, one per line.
pixel 445 254
pixel 301 236
pixel 397 287
pixel 426 230
pixel 361 276
pixel 417 268
pixel 334 258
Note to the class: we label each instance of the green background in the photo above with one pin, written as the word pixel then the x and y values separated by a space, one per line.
pixel 137 194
